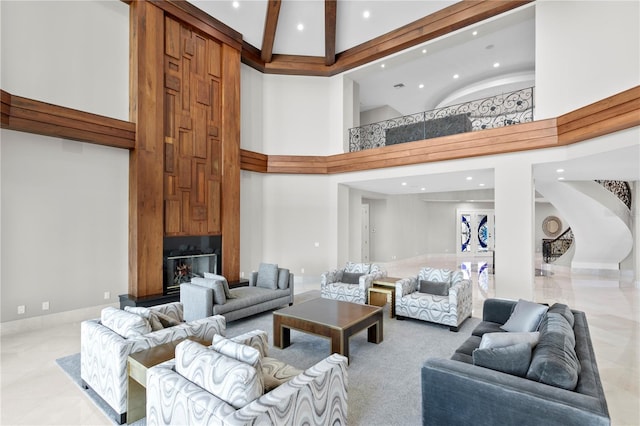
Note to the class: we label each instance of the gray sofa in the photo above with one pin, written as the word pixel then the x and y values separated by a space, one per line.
pixel 457 392
pixel 269 288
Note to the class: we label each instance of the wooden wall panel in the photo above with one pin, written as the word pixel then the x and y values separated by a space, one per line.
pixel 192 118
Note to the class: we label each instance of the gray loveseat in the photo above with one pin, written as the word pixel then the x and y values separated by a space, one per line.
pixel 270 287
pixel 457 392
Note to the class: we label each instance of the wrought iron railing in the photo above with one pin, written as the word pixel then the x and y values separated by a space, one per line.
pixel 554 248
pixel 619 188
pixel 496 111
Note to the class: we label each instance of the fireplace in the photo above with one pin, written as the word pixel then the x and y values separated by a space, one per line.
pixel 188 257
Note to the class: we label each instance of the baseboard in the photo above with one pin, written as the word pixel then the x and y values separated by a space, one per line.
pixel 51 320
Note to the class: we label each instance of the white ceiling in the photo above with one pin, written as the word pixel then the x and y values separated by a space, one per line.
pixel 508 39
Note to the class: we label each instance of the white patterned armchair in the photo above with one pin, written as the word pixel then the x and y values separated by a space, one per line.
pixel 234 382
pixel 350 284
pixel 106 343
pixel 446 297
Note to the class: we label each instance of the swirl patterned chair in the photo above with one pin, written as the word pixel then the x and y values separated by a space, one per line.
pixel 350 284
pixel 106 343
pixel 446 297
pixel 234 382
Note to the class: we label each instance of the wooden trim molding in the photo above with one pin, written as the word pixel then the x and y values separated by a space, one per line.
pixel 28 115
pixel 615 113
pixel 270 26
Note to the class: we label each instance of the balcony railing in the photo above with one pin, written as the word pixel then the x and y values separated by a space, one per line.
pixel 488 113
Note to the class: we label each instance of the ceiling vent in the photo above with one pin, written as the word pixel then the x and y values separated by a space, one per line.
pixel 398 86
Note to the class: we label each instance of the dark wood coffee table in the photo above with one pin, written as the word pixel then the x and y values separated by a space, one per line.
pixel 329 318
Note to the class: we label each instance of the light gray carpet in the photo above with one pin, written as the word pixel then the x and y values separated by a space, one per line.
pixel 383 379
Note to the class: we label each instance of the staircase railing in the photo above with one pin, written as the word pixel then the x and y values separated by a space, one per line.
pixel 486 113
pixel 619 188
pixel 556 247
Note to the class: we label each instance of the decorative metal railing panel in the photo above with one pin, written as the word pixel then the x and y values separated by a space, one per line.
pixel 619 188
pixel 488 113
pixel 554 248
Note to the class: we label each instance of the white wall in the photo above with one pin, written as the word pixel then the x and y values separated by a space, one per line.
pixel 73 54
pixel 64 204
pixel 585 52
pixel 378 114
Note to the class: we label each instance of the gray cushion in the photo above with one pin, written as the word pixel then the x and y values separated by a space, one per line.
pixel 564 310
pixel 267 276
pixel 283 278
pixel 500 340
pixel 225 283
pixel 219 297
pixel 166 320
pixel 434 287
pixel 512 359
pixel 351 277
pixel 554 360
pixel 526 316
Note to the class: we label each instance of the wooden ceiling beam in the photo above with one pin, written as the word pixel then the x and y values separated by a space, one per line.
pixel 444 21
pixel 270 27
pixel 330 11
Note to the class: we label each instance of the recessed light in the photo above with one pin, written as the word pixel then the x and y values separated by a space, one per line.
pixel 469 178
pixel 423 189
pixel 421 86
pixel 456 76
pixel 381 65
pixel 561 178
pixel 481 184
pixel 496 65
pixel 300 27
pixel 475 33
pixel 404 183
pixel 560 170
pixel 424 50
pixel 235 4
pixel 366 14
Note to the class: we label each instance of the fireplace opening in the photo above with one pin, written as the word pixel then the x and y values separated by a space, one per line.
pixel 188 257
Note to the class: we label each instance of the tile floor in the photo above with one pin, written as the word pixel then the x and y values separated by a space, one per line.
pixel 35 391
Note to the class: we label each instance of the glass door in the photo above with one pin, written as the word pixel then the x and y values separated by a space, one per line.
pixel 475 233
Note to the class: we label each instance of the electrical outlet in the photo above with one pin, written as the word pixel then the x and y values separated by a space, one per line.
pixel 107 295
pixel 21 309
pixel 241 274
pixel 302 271
pixel 45 306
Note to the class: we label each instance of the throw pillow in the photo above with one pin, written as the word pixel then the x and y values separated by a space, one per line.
pixel 219 298
pixel 147 313
pixel 434 287
pixel 351 277
pixel 225 283
pixel 512 359
pixel 166 320
pixel 243 353
pixel 124 323
pixel 500 340
pixel 526 316
pixel 234 382
pixel 283 278
pixel 267 276
pixel 564 310
pixel 554 360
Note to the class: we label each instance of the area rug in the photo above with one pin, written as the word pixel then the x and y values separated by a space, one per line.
pixel 383 379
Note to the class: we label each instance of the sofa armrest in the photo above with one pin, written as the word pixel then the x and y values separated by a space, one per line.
pixel 253 279
pixel 406 286
pixel 197 301
pixel 172 399
pixel 457 393
pixel 497 310
pixel 316 396
pixel 330 277
pixel 460 298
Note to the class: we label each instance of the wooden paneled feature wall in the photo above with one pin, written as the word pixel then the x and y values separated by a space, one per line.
pixel 192 134
pixel 182 79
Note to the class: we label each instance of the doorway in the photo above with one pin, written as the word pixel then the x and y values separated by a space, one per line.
pixel 475 232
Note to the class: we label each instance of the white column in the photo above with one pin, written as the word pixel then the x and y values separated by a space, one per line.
pixel 514 233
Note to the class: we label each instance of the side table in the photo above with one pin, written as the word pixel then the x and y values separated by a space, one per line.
pixel 137 365
pixel 381 291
